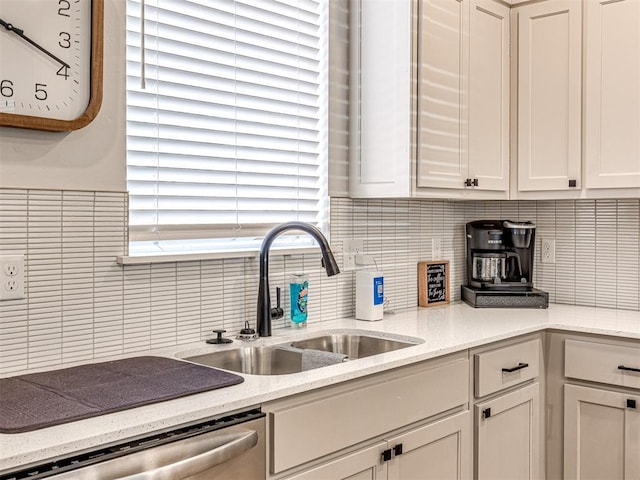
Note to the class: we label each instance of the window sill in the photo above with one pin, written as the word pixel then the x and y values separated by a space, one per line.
pixel 196 257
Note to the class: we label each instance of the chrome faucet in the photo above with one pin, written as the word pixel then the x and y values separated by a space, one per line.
pixel 264 299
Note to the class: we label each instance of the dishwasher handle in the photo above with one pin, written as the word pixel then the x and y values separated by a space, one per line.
pixel 237 444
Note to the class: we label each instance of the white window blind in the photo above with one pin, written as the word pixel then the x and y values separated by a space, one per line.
pixel 228 136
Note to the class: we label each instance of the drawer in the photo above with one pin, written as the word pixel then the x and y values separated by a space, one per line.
pixel 506 366
pixel 602 362
pixel 339 418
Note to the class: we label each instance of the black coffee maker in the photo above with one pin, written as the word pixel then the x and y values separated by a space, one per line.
pixel 500 258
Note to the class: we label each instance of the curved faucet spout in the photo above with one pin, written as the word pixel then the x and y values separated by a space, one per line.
pixel 264 298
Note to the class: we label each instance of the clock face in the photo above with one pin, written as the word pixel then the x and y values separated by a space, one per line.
pixel 45 58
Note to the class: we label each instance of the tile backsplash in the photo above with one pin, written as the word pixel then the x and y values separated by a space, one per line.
pixel 81 305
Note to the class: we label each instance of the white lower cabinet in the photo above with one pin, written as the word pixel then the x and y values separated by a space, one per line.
pixel 412 422
pixel 601 425
pixel 601 434
pixel 440 450
pixel 363 464
pixel 436 451
pixel 508 436
pixel 508 410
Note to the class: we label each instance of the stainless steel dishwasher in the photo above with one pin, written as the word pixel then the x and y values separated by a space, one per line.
pixel 231 448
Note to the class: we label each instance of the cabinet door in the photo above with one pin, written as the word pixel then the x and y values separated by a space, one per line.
pixel 508 436
pixel 365 464
pixel 380 99
pixel 549 95
pixel 441 163
pixel 436 451
pixel 612 100
pixel 488 103
pixel 601 434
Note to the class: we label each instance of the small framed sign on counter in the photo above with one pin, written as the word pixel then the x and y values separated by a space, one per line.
pixel 433 283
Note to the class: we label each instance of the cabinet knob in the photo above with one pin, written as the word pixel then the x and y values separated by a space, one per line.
pixel 386 455
pixel 631 403
pixel 486 413
pixel 573 183
pixel 471 182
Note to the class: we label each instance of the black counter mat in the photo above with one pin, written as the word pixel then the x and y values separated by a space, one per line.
pixel 39 400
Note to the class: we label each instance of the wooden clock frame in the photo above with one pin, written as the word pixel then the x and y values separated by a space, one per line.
pixel 95 100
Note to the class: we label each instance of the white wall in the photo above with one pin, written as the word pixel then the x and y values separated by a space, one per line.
pixel 92 158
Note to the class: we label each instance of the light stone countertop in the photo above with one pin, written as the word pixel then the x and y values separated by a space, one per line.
pixel 444 329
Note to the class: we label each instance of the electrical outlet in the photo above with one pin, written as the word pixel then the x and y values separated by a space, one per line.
pixel 11 277
pixel 351 248
pixel 548 247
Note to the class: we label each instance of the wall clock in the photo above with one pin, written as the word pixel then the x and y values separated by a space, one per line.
pixel 51 55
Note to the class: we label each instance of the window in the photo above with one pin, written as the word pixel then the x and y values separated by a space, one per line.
pixel 226 121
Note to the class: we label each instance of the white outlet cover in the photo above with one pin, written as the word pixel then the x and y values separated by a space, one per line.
pixel 548 250
pixel 11 277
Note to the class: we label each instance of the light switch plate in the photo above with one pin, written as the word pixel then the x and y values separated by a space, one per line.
pixel 436 248
pixel 350 249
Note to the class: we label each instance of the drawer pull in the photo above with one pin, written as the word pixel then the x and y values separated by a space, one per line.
pixel 629 369
pixel 514 369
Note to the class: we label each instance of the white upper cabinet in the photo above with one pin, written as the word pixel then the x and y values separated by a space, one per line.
pixel 380 98
pixel 440 86
pixel 488 104
pixel 463 92
pixel 549 95
pixel 430 103
pixel 431 87
pixel 612 99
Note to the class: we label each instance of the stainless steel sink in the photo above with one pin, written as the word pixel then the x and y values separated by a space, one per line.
pixel 288 357
pixel 352 345
pixel 253 360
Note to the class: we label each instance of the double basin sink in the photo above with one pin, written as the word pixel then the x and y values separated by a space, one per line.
pixel 290 357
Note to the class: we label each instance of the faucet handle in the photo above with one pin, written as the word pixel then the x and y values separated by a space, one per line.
pixel 277 311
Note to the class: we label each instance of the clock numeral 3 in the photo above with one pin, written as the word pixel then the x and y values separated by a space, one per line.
pixel 65 40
